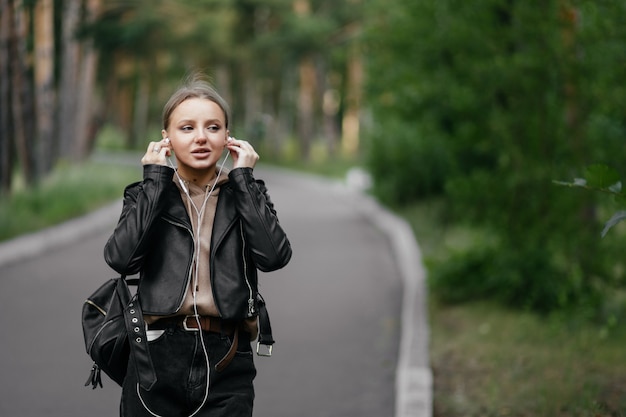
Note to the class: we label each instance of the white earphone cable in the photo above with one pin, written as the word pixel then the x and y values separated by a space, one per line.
pixel 200 215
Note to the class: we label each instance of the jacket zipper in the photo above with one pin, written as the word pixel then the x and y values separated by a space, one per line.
pixel 97 307
pixel 251 309
pixel 98 333
pixel 190 268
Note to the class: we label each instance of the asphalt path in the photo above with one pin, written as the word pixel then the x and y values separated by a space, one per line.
pixel 337 312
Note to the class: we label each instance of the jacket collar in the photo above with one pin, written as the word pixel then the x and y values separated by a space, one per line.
pixel 225 212
pixel 176 207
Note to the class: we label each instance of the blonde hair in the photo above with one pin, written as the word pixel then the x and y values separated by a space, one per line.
pixel 194 86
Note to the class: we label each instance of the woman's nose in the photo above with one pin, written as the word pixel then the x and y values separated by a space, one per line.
pixel 201 137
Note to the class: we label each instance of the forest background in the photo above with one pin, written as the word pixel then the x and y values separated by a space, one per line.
pixel 463 113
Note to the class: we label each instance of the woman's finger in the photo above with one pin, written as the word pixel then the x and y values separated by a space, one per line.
pixel 156 153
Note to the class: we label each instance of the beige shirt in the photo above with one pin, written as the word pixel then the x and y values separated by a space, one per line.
pixel 202 214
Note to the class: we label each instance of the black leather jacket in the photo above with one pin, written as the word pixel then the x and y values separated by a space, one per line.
pixel 154 238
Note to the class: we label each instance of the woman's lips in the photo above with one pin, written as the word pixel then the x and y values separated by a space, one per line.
pixel 201 153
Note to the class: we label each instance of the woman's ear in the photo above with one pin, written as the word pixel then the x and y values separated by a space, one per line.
pixel 163 134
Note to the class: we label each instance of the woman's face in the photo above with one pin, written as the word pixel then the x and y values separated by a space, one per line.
pixel 198 135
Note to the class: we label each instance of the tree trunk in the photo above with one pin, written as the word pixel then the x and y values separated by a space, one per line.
pixel 6 120
pixel 120 104
pixel 306 89
pixel 252 104
pixel 222 81
pixel 21 95
pixel 142 107
pixel 44 86
pixel 69 76
pixel 351 118
pixel 573 113
pixel 275 120
pixel 306 100
pixel 85 115
pixel 330 109
pixel 278 111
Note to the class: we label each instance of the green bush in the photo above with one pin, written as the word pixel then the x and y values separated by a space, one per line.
pixel 520 278
pixel 406 164
pixel 549 255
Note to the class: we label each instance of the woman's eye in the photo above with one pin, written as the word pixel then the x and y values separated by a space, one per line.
pixel 214 128
pixel 186 128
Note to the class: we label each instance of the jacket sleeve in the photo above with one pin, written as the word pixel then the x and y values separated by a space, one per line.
pixel 143 202
pixel 268 243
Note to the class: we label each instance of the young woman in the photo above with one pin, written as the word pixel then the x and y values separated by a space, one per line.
pixel 197 235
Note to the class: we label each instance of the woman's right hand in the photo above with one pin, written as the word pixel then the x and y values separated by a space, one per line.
pixel 157 153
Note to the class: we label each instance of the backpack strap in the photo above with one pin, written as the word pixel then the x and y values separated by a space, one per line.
pixel 136 328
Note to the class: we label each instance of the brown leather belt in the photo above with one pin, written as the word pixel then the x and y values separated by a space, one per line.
pixel 207 324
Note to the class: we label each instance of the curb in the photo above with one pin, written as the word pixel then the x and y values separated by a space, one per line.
pixel 37 243
pixel 414 379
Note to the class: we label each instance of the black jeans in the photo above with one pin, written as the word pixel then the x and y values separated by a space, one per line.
pixel 180 366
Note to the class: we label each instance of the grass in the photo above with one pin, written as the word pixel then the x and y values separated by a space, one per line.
pixel 335 168
pixel 68 192
pixel 487 360
pixel 319 161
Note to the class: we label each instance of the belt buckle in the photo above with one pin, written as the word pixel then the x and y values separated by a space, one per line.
pixel 190 329
pixel 268 353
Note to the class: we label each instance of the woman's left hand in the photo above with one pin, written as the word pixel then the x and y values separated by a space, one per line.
pixel 244 155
